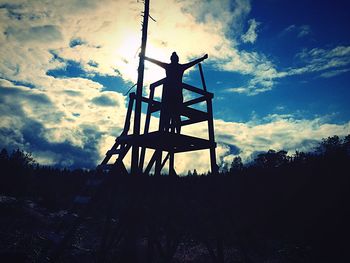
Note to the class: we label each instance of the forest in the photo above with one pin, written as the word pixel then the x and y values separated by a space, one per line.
pixel 279 208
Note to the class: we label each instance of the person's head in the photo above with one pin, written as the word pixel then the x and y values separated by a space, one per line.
pixel 174 58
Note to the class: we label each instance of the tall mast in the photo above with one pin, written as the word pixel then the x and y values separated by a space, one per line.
pixel 137 116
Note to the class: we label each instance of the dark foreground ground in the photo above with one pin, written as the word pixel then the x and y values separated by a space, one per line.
pixel 278 210
pixel 234 218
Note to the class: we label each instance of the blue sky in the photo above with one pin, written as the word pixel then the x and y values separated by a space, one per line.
pixel 279 70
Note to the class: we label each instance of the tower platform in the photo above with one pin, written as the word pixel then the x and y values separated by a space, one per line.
pixel 167 141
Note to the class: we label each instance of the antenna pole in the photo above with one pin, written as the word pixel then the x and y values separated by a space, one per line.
pixel 137 116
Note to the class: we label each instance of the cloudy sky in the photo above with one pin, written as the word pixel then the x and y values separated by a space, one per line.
pixel 280 71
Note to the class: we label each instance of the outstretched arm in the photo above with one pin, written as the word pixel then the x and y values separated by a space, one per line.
pixel 158 63
pixel 194 62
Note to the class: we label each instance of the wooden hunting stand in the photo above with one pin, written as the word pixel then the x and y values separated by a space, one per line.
pixel 160 141
pixel 100 190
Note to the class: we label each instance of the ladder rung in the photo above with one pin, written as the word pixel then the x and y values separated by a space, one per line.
pixel 113 151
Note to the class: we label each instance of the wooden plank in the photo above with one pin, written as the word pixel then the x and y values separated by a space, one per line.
pixel 194 101
pixel 114 151
pixel 150 101
pixel 155 108
pixel 193 113
pixel 194 147
pixel 150 163
pixel 166 141
pixel 157 83
pixel 189 122
pixel 197 90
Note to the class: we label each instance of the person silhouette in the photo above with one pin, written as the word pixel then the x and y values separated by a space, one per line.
pixel 172 98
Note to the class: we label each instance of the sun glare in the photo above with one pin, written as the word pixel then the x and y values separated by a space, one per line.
pixel 128 52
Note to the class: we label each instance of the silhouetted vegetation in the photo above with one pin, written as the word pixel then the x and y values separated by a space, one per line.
pixel 280 208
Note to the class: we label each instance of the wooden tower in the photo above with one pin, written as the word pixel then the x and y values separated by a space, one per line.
pixel 158 141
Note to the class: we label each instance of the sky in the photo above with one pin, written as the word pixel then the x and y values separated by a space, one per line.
pixel 280 72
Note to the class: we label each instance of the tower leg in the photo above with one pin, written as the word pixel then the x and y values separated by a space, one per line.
pixel 171 164
pixel 158 167
pixel 214 167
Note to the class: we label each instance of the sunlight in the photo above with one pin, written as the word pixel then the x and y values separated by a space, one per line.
pixel 128 52
pixel 129 46
pixel 153 72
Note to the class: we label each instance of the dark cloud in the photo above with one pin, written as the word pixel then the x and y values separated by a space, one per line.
pixel 224 137
pixel 76 42
pixel 18 130
pixel 11 138
pixel 12 10
pixel 93 63
pixel 262 140
pixel 234 149
pixel 30 97
pixel 104 100
pixel 72 93
pixel 46 33
pixel 65 154
pixel 307 145
pixel 31 138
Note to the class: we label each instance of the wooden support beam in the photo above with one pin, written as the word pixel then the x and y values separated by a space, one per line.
pixel 108 156
pixel 114 151
pixel 197 90
pixel 151 101
pixel 157 83
pixel 164 161
pixel 137 116
pixel 194 114
pixel 194 101
pixel 155 108
pixel 132 97
pixel 146 128
pixel 202 77
pixel 150 163
pixel 214 167
pixel 189 122
pixel 171 164
pixel 158 167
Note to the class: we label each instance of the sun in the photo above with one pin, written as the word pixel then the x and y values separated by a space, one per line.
pixel 128 52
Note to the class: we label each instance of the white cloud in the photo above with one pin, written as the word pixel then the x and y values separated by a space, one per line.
pixel 334 73
pixel 327 62
pixel 110 38
pixel 277 132
pixel 251 35
pixel 237 90
pixel 319 60
pixel 300 31
pixel 62 118
pixel 304 30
